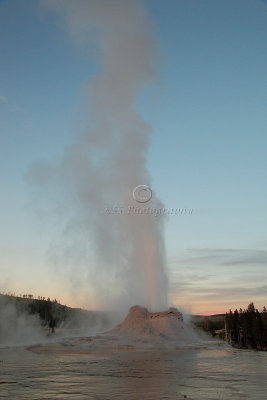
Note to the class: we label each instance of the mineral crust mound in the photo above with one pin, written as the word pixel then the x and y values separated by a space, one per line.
pixel 162 325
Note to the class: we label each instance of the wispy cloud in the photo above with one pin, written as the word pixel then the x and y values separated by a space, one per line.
pixel 220 291
pixel 218 279
pixel 225 257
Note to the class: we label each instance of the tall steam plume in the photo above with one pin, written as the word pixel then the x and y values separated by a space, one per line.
pixel 124 254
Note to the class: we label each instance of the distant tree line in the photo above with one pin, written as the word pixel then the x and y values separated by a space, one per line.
pixel 28 296
pixel 247 328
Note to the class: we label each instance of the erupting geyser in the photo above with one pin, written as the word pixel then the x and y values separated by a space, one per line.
pixel 120 258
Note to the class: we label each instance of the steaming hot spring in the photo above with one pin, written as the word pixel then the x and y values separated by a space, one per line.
pixel 140 329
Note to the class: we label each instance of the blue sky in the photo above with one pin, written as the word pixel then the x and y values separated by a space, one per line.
pixel 208 150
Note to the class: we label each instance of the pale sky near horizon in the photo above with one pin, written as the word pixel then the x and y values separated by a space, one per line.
pixel 208 150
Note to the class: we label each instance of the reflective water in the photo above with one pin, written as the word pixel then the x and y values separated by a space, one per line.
pixel 209 373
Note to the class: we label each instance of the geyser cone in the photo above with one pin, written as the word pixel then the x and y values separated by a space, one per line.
pixel 163 325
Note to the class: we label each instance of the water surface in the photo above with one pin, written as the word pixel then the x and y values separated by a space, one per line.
pixel 207 373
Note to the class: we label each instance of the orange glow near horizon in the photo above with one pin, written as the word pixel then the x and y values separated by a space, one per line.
pixel 88 302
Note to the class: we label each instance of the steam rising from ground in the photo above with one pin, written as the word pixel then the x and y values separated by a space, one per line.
pixel 28 322
pixel 18 328
pixel 122 256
